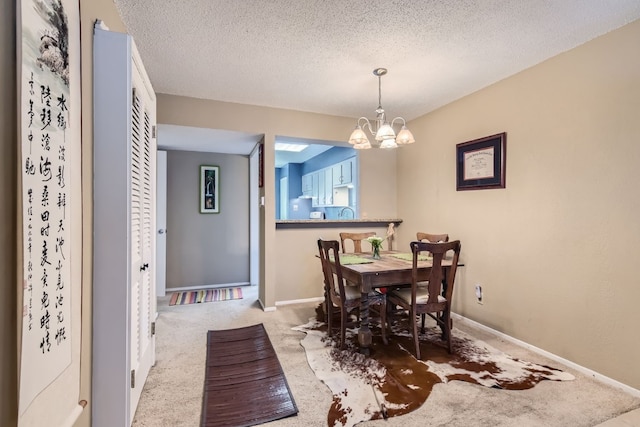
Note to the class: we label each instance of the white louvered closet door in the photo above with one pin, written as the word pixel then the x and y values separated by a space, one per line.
pixel 143 151
pixel 124 180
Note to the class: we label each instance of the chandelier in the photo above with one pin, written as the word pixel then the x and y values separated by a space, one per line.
pixel 383 130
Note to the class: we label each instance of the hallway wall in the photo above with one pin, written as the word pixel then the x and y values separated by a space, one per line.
pixel 207 249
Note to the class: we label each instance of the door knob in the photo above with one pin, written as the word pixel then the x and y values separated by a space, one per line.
pixel 162 231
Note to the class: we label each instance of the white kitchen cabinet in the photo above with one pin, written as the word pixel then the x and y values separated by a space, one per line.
pixel 322 188
pixel 315 190
pixel 340 196
pixel 320 185
pixel 328 187
pixel 343 172
pixel 322 194
pixel 307 185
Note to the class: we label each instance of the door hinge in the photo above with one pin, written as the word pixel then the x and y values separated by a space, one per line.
pixel 153 131
pixel 133 378
pixel 153 328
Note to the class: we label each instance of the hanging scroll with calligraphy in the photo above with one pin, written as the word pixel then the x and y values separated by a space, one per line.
pixel 49 110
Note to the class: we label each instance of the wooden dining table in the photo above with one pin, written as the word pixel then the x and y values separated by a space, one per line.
pixel 388 271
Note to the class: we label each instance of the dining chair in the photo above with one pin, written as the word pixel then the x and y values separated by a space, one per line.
pixel 434 238
pixel 356 239
pixel 429 300
pixel 346 298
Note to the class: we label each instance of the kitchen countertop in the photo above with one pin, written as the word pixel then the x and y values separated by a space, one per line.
pixel 332 223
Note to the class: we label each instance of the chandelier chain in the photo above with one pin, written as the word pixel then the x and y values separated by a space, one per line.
pixel 379 91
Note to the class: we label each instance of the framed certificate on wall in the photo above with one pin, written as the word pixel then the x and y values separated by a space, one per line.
pixel 480 164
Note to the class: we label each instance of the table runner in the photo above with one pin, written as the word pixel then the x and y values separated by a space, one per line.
pixel 353 259
pixel 409 257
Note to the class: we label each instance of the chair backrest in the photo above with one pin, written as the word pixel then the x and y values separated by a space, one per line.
pixel 433 238
pixel 329 251
pixel 437 271
pixel 356 238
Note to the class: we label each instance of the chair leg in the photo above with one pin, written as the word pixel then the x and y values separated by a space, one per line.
pixel 415 335
pixel 343 327
pixel 327 304
pixel 446 329
pixel 422 327
pixel 391 315
pixel 383 322
pixel 329 317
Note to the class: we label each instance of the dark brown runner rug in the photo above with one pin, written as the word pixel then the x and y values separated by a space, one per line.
pixel 244 383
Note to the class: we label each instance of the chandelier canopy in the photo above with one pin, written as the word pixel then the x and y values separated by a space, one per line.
pixel 381 129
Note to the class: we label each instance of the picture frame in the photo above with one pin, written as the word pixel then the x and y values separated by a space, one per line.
pixel 481 163
pixel 209 189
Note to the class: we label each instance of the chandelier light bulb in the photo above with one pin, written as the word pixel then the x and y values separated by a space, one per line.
pixel 385 132
pixel 358 136
pixel 405 136
pixel 388 143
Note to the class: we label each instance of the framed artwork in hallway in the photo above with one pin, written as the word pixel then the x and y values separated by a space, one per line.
pixel 209 189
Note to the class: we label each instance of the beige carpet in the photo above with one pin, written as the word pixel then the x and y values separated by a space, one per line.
pixel 172 396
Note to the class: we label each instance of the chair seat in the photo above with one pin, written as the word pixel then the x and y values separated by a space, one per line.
pixel 422 295
pixel 353 292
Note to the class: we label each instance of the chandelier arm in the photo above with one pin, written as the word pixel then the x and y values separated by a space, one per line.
pixel 404 123
pixel 366 124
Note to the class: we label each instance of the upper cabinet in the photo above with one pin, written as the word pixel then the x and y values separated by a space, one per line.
pixel 320 185
pixel 343 172
pixel 307 185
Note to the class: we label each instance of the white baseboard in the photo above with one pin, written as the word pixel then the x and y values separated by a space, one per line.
pixel 265 308
pixel 299 301
pixel 604 379
pixel 197 288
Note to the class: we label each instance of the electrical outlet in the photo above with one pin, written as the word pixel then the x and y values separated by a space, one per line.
pixel 479 294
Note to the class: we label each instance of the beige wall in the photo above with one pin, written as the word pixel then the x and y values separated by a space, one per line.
pixel 554 250
pixel 299 274
pixel 377 179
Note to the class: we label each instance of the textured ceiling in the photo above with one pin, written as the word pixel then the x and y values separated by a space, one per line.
pixel 318 55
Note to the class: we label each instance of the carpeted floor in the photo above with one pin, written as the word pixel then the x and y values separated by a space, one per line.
pixel 172 396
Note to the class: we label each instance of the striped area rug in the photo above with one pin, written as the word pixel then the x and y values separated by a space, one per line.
pixel 208 295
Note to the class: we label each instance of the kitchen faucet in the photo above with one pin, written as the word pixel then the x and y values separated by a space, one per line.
pixel 353 213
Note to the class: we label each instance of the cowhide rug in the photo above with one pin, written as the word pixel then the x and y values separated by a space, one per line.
pixel 391 381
